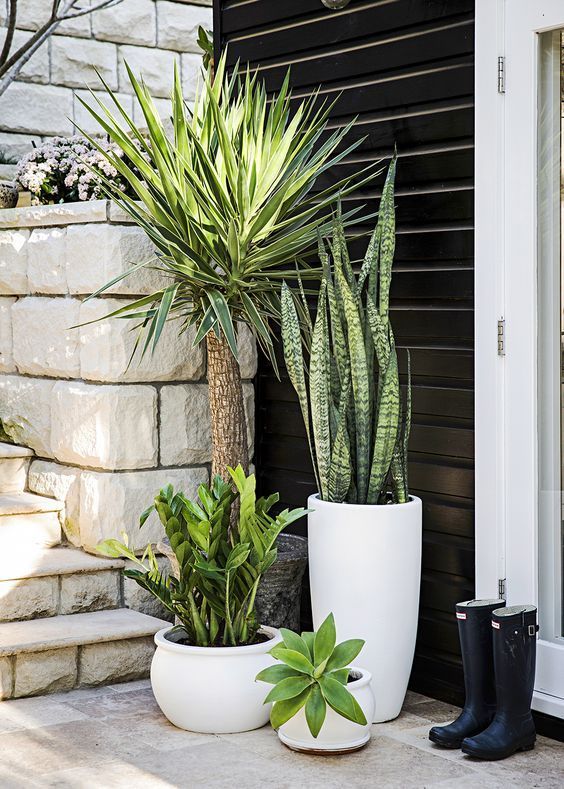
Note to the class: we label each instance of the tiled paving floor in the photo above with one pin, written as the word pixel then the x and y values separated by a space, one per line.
pixel 117 737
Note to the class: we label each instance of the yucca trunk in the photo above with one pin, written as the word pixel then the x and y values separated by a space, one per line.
pixel 228 423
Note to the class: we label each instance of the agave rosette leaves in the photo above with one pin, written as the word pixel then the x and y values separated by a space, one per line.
pixel 312 674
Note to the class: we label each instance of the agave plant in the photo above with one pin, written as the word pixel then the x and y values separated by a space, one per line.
pixel 357 428
pixel 313 674
pixel 220 568
pixel 227 200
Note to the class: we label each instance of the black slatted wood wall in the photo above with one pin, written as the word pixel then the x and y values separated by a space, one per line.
pixel 406 69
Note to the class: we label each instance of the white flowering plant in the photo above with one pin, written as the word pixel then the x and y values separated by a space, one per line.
pixel 68 169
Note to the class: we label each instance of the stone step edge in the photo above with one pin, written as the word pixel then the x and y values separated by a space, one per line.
pixel 73 630
pixel 14 451
pixel 27 504
pixel 55 561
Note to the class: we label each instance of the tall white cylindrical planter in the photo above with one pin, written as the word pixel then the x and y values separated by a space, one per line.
pixel 365 568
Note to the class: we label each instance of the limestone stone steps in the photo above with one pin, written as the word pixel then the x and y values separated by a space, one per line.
pixel 77 650
pixel 28 522
pixel 55 581
pixel 61 560
pixel 14 464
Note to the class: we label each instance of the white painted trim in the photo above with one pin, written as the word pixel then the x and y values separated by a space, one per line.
pixel 489 300
pixel 506 406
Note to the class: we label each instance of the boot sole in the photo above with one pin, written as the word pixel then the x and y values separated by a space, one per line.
pixel 451 745
pixel 496 755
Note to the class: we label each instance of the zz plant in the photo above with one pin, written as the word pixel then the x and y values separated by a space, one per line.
pixel 357 427
pixel 312 673
pixel 220 567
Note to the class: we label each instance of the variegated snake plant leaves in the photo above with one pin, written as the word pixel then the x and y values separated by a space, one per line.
pixel 350 395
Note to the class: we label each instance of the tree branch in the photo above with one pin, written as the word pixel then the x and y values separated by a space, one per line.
pixel 10 28
pixel 69 13
pixel 11 65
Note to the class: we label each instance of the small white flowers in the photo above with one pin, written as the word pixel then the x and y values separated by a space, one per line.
pixel 65 169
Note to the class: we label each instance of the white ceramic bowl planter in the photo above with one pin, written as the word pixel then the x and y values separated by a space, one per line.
pixel 365 567
pixel 212 689
pixel 337 735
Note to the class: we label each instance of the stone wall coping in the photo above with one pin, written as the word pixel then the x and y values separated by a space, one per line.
pixel 63 214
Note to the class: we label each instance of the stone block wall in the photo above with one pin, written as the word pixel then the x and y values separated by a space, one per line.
pixel 107 435
pixel 150 35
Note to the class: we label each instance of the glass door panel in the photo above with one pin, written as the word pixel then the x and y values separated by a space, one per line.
pixel 551 334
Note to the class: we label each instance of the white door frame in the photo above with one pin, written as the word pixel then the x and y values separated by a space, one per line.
pixel 501 198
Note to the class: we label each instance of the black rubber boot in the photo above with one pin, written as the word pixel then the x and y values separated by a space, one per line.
pixel 514 632
pixel 475 633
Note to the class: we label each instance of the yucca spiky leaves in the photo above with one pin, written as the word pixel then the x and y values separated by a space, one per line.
pixel 357 427
pixel 226 198
pixel 313 674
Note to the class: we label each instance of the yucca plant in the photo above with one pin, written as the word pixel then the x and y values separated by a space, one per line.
pixel 313 674
pixel 220 568
pixel 227 200
pixel 357 428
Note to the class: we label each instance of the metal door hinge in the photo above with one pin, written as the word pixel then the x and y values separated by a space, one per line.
pixel 501 337
pixel 501 74
pixel 501 588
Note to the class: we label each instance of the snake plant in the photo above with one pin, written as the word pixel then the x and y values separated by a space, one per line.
pixel 220 567
pixel 357 427
pixel 313 674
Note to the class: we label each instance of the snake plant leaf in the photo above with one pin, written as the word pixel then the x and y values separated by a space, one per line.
pixel 320 391
pixel 379 330
pixel 340 470
pixel 386 429
pixel 288 688
pixel 282 711
pixel 315 710
pixel 341 700
pixel 388 237
pixel 407 426
pixel 292 345
pixel 360 385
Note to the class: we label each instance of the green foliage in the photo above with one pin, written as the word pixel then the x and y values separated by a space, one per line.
pixel 220 567
pixel 205 42
pixel 314 674
pixel 226 198
pixel 357 427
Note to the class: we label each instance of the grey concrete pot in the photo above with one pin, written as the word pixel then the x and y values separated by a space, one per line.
pixel 280 592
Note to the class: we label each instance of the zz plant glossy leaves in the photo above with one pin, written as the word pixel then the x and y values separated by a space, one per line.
pixel 312 673
pixel 356 424
pixel 226 198
pixel 220 567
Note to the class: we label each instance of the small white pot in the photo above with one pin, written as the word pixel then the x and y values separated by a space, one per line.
pixel 365 568
pixel 337 735
pixel 212 689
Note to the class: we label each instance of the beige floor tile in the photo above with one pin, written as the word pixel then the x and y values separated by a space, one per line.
pixel 34 713
pixel 117 737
